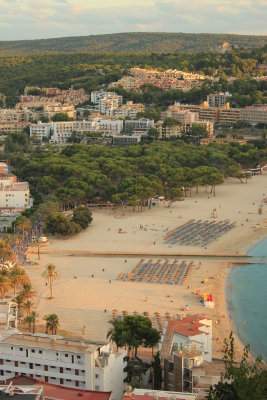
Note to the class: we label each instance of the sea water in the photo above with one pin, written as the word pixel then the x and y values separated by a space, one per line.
pixel 247 297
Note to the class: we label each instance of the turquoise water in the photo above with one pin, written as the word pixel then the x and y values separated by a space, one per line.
pixel 248 301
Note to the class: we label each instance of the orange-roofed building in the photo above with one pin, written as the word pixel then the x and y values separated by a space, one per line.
pixel 186 351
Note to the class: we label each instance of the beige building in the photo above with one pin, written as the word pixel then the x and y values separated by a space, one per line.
pixel 8 315
pixel 165 132
pixel 10 127
pixel 15 196
pixel 228 139
pixel 254 114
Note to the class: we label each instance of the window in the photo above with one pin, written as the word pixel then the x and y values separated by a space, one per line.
pixel 40 351
pixel 79 357
pixel 97 376
pixel 33 351
pixel 68 380
pixel 66 355
pixel 96 387
pixel 68 369
pixel 12 348
pixel 21 349
pixel 38 365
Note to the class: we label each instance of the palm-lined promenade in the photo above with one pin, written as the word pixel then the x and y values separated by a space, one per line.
pixel 88 291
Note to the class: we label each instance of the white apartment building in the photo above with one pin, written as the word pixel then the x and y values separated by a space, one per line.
pixel 218 99
pixel 56 360
pixel 61 131
pixel 41 130
pixel 128 110
pixel 141 125
pixel 15 195
pixel 8 314
pixel 105 101
pixel 190 332
pixel 109 125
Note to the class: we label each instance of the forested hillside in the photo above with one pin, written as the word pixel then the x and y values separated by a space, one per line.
pixel 92 70
pixel 138 42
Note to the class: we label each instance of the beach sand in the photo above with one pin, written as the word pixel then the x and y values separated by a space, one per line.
pixel 82 300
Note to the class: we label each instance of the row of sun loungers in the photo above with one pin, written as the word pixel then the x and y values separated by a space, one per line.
pixel 198 233
pixel 162 272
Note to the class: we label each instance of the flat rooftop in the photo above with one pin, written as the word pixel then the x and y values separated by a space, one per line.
pixel 51 343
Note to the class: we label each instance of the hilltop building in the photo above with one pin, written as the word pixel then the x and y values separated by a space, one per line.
pixel 218 99
pixel 105 102
pixel 223 47
pixel 140 126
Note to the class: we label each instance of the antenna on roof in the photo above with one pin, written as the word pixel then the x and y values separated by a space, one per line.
pixel 9 387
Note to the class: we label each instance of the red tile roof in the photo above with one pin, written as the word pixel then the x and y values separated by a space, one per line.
pixel 61 393
pixel 58 392
pixel 188 326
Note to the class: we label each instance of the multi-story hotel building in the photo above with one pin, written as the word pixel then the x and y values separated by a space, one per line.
pixel 70 363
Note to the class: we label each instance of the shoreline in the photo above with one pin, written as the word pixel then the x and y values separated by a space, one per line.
pixel 229 306
pixel 90 263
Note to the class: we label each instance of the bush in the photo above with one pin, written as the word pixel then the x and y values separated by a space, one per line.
pixel 82 216
pixel 58 224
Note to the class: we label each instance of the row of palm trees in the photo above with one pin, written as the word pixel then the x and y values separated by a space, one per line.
pixel 16 278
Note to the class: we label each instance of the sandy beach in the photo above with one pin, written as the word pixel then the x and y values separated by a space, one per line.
pixel 90 263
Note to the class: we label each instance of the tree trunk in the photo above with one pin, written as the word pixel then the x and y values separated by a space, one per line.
pixel 39 252
pixel 51 288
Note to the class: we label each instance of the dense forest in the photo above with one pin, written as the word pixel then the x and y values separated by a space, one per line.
pixel 92 70
pixel 80 174
pixel 138 42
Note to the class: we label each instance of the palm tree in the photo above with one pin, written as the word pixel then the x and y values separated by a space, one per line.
pixel 9 240
pixel 52 323
pixel 22 278
pixel 24 225
pixel 5 253
pixel 28 306
pixel 34 316
pixel 18 277
pixel 5 285
pixel 27 291
pixel 20 301
pixel 38 244
pixel 50 275
pixel 28 320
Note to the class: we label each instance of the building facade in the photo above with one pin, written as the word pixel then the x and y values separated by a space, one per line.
pixel 66 362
